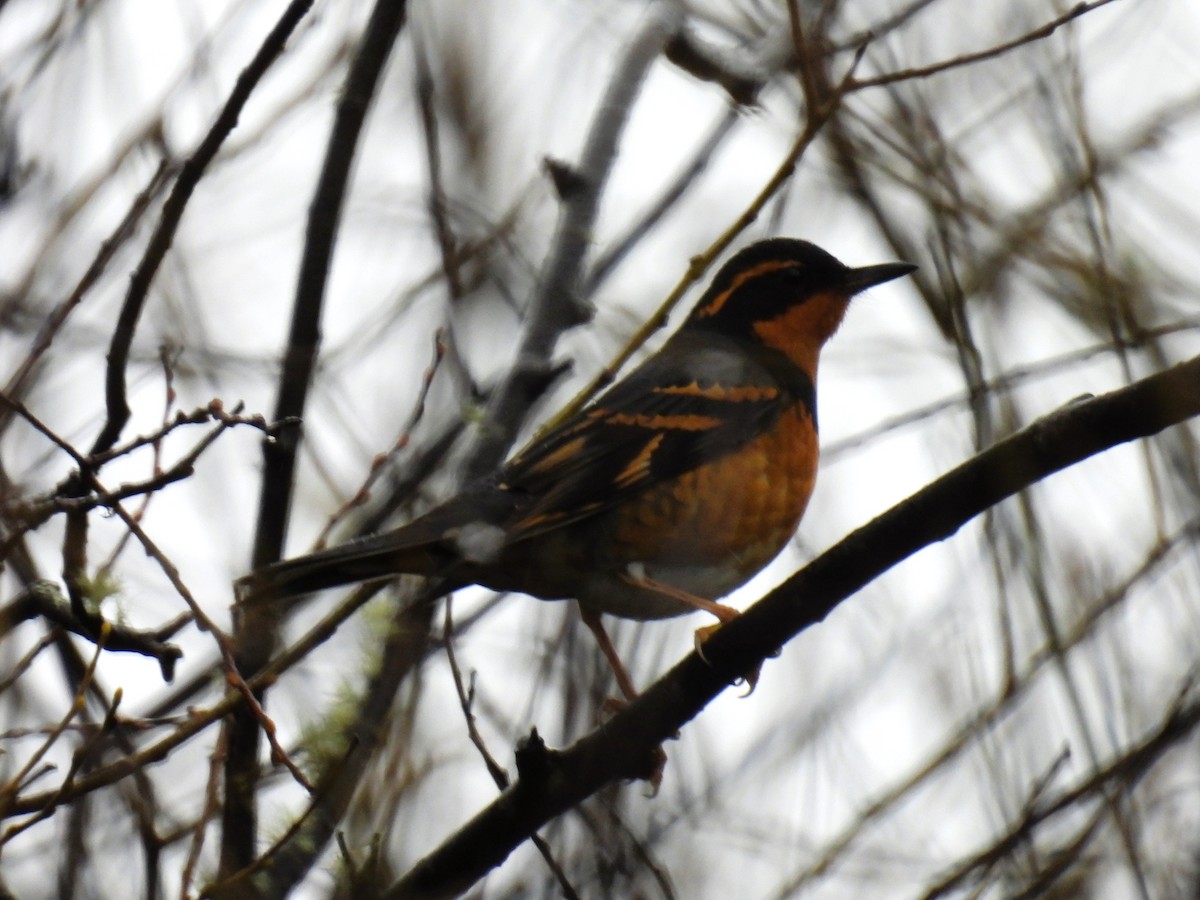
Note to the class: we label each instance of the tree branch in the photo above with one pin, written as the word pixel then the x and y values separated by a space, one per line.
pixel 557 304
pixel 967 59
pixel 189 176
pixel 622 746
pixel 255 629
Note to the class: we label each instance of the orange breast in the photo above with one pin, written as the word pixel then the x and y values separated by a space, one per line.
pixel 730 516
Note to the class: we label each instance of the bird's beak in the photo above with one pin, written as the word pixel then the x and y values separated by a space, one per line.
pixel 869 276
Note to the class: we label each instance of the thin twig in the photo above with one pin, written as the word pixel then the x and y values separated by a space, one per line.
pixel 379 464
pixel 557 304
pixel 466 701
pixel 433 158
pixel 997 50
pixel 256 630
pixel 7 621
pixel 205 623
pixel 9 791
pixel 172 212
pixel 104 255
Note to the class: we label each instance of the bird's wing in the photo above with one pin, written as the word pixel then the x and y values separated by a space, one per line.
pixel 675 413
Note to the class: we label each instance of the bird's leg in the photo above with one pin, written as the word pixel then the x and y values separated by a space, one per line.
pixel 658 758
pixel 722 612
pixel 592 620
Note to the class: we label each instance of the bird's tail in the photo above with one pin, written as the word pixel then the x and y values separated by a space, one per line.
pixel 380 556
pixel 430 545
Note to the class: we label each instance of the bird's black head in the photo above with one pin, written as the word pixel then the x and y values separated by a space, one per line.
pixel 769 278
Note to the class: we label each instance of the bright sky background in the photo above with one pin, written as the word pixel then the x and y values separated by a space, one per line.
pixel 851 707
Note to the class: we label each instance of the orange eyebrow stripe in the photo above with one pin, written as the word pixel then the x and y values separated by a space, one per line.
pixel 739 393
pixel 713 306
pixel 681 422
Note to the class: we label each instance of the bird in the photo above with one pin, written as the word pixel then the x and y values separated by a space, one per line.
pixel 671 489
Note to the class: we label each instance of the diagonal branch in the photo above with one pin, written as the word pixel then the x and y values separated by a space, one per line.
pixel 189 176
pixel 620 749
pixel 995 52
pixel 558 305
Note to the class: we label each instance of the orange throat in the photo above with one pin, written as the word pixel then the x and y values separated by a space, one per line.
pixel 802 330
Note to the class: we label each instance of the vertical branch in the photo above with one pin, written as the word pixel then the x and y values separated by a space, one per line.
pixel 405 642
pixel 557 304
pixel 437 196
pixel 255 631
pixel 607 264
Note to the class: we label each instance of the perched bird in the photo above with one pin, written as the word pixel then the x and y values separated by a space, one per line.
pixel 673 488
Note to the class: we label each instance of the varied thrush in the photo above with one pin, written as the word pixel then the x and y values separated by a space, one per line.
pixel 674 487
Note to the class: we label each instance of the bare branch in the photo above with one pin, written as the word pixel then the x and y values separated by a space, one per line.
pixel 255 630
pixel 994 52
pixel 189 176
pixel 557 305
pixel 619 750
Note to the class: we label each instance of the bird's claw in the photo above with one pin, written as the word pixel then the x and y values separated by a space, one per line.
pixel 750 679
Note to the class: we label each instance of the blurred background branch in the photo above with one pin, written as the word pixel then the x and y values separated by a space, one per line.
pixel 520 185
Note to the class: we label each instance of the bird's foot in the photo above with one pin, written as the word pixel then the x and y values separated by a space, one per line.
pixel 750 679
